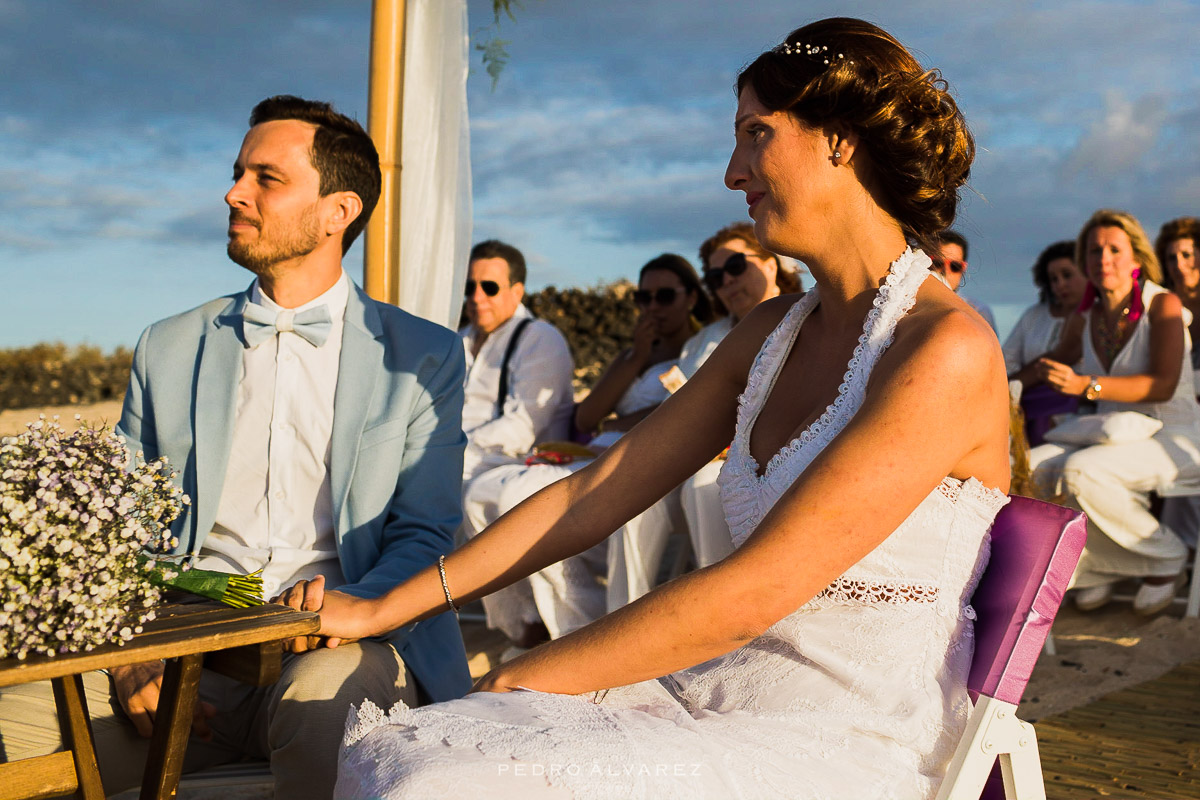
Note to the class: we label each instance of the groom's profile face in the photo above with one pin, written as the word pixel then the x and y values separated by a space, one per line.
pixel 274 200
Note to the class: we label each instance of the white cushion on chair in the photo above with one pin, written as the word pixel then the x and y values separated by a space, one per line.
pixel 1117 427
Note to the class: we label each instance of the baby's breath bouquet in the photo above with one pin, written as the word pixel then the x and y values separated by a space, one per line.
pixel 81 525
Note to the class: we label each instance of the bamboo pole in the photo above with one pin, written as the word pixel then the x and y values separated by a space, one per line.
pixel 381 266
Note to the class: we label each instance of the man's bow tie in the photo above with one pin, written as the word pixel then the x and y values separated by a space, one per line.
pixel 260 324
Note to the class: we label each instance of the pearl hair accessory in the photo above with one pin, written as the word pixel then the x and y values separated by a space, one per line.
pixel 813 51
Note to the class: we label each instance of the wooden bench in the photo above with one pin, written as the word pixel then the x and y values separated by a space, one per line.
pixel 245 644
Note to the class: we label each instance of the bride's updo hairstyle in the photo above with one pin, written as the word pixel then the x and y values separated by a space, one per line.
pixel 850 72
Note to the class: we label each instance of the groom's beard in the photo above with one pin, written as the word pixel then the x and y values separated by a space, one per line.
pixel 268 248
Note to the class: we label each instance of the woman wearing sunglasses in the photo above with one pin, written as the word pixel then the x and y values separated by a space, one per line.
pixel 740 273
pixel 671 307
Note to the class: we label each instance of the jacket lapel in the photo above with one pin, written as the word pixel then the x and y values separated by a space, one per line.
pixel 359 367
pixel 217 380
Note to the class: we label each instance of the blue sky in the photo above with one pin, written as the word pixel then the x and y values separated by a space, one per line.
pixel 603 145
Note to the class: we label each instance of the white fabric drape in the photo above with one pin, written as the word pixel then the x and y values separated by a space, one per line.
pixel 435 180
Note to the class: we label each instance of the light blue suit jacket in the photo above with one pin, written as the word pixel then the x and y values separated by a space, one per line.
pixel 395 457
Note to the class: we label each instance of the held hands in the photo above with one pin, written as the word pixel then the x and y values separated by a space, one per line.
pixel 1061 377
pixel 344 618
pixel 138 688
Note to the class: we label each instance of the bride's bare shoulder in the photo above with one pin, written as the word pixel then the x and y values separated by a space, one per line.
pixel 943 331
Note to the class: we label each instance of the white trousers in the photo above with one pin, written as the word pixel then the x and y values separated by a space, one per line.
pixel 570 594
pixel 704 515
pixel 1111 483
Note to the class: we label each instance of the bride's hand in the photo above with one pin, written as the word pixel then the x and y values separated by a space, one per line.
pixel 344 618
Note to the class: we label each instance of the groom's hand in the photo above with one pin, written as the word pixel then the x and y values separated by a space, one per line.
pixel 303 596
pixel 138 687
pixel 344 618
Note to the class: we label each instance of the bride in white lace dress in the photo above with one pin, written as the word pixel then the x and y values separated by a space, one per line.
pixel 827 655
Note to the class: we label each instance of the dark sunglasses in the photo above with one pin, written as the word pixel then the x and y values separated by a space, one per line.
pixel 664 297
pixel 954 266
pixel 490 288
pixel 714 277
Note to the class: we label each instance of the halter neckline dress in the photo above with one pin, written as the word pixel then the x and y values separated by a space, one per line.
pixel 859 693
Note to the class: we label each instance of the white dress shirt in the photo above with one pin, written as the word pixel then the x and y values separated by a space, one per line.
pixel 276 508
pixel 540 396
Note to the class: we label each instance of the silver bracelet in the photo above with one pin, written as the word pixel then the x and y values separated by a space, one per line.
pixel 445 588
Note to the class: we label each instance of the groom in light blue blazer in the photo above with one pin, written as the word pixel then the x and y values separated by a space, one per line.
pixel 301 457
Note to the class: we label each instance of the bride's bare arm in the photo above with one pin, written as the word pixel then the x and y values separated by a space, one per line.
pixel 937 406
pixel 575 513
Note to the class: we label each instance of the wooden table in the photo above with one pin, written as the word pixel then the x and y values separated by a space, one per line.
pixel 246 644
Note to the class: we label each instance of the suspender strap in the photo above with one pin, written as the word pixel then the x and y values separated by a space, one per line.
pixel 508 352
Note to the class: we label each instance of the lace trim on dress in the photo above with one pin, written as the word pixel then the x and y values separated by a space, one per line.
pixel 992 499
pixel 896 298
pixel 851 590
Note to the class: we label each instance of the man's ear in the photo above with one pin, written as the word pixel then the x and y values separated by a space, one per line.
pixel 342 209
pixel 519 290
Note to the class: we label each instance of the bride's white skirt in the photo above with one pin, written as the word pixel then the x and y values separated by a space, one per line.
pixel 638 742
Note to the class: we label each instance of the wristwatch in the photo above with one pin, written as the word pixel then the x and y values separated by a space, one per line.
pixel 1092 392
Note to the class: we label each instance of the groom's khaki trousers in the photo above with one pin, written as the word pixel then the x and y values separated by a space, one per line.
pixel 297 723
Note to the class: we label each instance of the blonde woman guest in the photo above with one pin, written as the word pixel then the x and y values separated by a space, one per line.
pixel 1061 285
pixel 1136 356
pixel 827 656
pixel 740 273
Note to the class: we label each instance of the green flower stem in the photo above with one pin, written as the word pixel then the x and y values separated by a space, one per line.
pixel 239 591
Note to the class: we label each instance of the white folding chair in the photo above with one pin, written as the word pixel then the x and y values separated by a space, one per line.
pixel 1035 547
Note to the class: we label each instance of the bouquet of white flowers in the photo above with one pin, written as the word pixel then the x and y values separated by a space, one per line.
pixel 80 525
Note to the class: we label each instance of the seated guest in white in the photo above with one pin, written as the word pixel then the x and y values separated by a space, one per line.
pixel 1175 247
pixel 568 595
pixel 741 274
pixel 950 265
pixel 1061 284
pixel 1132 336
pixel 518 386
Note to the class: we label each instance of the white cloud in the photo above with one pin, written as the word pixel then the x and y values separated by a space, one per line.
pixel 1121 139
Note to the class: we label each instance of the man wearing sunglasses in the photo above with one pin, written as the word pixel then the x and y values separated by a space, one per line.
pixel 950 264
pixel 519 369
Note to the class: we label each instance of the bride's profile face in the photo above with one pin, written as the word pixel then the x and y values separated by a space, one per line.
pixel 784 168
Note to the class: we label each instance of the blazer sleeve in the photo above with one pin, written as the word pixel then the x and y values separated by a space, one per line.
pixel 137 419
pixel 426 505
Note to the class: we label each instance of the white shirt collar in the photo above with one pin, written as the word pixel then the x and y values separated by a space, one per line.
pixel 335 298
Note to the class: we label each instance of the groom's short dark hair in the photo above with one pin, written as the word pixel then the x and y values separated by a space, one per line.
pixel 342 152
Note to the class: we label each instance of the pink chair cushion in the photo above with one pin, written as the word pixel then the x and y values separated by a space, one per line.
pixel 1035 547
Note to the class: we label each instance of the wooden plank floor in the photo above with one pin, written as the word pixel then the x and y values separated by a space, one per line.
pixel 1139 742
